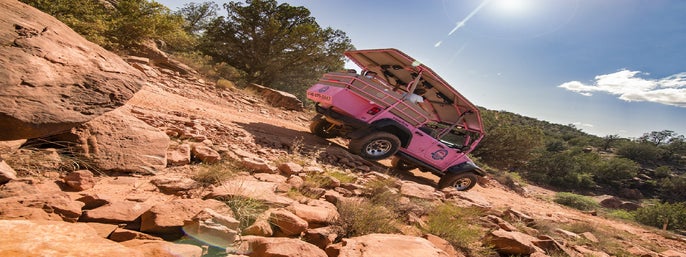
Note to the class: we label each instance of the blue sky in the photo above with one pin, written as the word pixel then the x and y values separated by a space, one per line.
pixel 609 67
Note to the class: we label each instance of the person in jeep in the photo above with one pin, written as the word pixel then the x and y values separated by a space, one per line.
pixel 402 109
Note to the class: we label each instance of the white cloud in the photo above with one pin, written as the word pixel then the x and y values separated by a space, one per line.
pixel 630 87
pixel 581 124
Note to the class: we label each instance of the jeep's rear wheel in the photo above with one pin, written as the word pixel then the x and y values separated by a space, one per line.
pixel 322 128
pixel 461 181
pixel 375 146
pixel 401 164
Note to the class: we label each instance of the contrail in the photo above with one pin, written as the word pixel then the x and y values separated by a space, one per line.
pixel 463 22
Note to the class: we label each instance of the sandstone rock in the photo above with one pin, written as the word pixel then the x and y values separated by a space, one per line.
pixel 11 146
pixel 329 182
pixel 588 252
pixel 333 197
pixel 267 177
pixel 279 247
pixel 278 98
pixel 519 216
pixel 567 234
pixel 212 227
pixel 179 155
pixel 148 49
pixel 118 212
pixel 91 200
pixel 295 181
pixel 117 141
pixel 157 248
pixel 51 238
pixel 550 245
pixel 52 78
pixel 122 234
pixel 261 227
pixel 630 206
pixel 590 237
pixel 388 245
pixel 672 253
pixel 611 203
pixel 501 223
pixel 290 168
pixel 515 243
pixel 316 212
pixel 167 218
pixel 257 165
pixel 247 187
pixel 443 245
pixel 640 251
pixel 205 154
pixel 6 172
pixel 172 185
pixel 17 188
pixel 416 190
pixel 472 198
pixel 244 154
pixel 41 206
pixel 287 222
pixel 103 230
pixel 80 180
pixel 321 237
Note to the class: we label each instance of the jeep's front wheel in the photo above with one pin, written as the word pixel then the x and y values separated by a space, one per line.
pixel 460 181
pixel 375 146
pixel 322 128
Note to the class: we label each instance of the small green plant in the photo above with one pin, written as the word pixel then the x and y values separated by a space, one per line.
pixel 362 217
pixel 455 224
pixel 343 177
pixel 622 214
pixel 245 209
pixel 214 174
pixel 575 201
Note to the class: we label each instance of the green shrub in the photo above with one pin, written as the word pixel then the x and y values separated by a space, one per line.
pixel 640 152
pixel 622 214
pixel 575 201
pixel 455 224
pixel 214 174
pixel 245 209
pixel 362 217
pixel 663 215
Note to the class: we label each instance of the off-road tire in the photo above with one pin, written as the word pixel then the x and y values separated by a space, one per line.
pixel 319 127
pixel 376 146
pixel 460 181
pixel 402 165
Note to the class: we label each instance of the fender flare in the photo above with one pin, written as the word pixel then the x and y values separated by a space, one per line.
pixel 466 167
pixel 387 125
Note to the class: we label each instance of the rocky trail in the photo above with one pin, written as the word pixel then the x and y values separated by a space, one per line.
pixel 182 167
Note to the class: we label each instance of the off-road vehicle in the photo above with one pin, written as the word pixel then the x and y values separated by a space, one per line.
pixel 382 115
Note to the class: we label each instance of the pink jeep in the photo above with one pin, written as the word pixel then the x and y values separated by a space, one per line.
pixel 382 114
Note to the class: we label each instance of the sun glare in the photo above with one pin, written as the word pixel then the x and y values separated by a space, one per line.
pixel 510 6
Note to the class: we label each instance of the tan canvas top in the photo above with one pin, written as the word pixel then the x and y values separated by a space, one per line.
pixel 399 69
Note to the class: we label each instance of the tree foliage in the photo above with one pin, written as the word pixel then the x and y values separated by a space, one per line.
pixel 644 153
pixel 198 16
pixel 118 26
pixel 276 45
pixel 567 170
pixel 663 215
pixel 507 144
pixel 672 189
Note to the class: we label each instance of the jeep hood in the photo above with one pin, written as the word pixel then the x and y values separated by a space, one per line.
pixel 397 68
